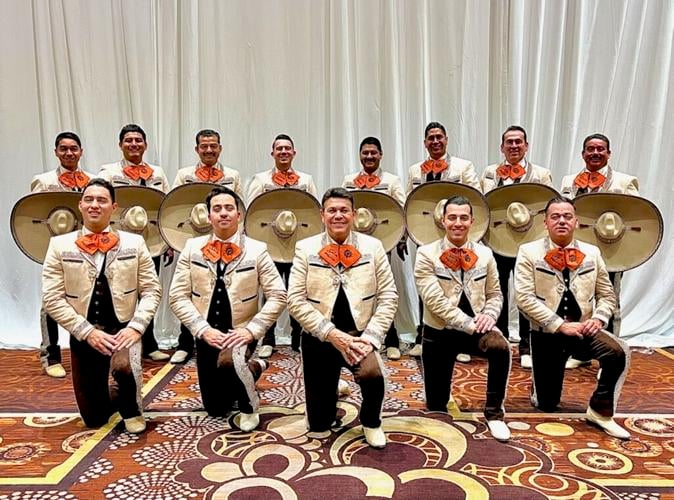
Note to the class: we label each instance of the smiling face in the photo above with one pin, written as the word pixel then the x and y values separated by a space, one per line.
pixel 96 207
pixel 596 154
pixel 69 153
pixel 514 146
pixel 560 221
pixel 208 149
pixel 283 153
pixel 337 214
pixel 436 143
pixel 224 216
pixel 457 221
pixel 370 158
pixel 133 147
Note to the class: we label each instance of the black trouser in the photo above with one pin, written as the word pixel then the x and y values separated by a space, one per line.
pixel 549 354
pixel 440 348
pixel 322 364
pixel 148 340
pixel 91 371
pixel 50 351
pixel 226 376
pixel 391 338
pixel 505 266
pixel 296 330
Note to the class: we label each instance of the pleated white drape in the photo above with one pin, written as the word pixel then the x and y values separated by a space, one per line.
pixel 329 73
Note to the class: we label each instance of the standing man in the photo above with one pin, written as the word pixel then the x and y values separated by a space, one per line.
pixel 458 283
pixel 343 294
pixel 562 286
pixel 101 286
pixel 281 176
pixel 514 170
pixel 439 166
pixel 372 177
pixel 599 177
pixel 68 176
pixel 209 169
pixel 131 170
pixel 214 293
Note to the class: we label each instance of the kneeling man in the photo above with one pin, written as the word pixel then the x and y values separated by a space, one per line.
pixel 458 283
pixel 214 293
pixel 342 292
pixel 101 286
pixel 563 287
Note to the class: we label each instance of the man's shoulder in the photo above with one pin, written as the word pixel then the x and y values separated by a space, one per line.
pixel 196 242
pixel 533 247
pixel 588 248
pixel 128 239
pixel 111 167
pixel 255 247
pixel 460 163
pixel 311 243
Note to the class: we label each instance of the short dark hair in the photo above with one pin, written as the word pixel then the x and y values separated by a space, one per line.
pixel 222 190
pixel 559 199
pixel 434 125
pixel 373 141
pixel 67 135
pixel 514 128
pixel 457 200
pixel 131 127
pixel 282 137
pixel 207 132
pixel 97 181
pixel 601 137
pixel 337 192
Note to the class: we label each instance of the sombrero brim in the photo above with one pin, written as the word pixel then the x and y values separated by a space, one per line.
pixel 148 198
pixel 389 216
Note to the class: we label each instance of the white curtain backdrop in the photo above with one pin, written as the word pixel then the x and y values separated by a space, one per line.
pixel 330 73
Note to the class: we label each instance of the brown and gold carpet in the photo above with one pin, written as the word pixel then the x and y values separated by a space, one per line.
pixel 46 453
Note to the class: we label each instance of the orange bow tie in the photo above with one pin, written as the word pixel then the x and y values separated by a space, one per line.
pixel 97 242
pixel 458 258
pixel 563 258
pixel 513 172
pixel 285 178
pixel 136 172
pixel 74 179
pixel 435 166
pixel 366 181
pixel 591 180
pixel 218 250
pixel 208 174
pixel 334 254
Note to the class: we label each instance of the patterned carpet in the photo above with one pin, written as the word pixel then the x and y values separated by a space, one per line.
pixel 46 453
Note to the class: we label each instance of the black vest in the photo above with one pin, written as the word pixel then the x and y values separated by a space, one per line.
pixel 568 308
pixel 220 310
pixel 101 311
pixel 341 313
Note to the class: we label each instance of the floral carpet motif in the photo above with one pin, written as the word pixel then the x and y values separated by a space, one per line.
pixel 48 454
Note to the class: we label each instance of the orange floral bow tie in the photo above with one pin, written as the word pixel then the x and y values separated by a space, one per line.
pixel 74 179
pixel 458 258
pixel 208 174
pixel 97 242
pixel 435 166
pixel 591 180
pixel 564 258
pixel 513 172
pixel 218 250
pixel 136 172
pixel 287 178
pixel 334 254
pixel 366 181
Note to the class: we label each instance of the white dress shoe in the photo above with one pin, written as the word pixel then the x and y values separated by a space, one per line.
pixel 249 421
pixel 343 389
pixel 135 425
pixel 572 363
pixel 179 357
pixel 498 430
pixel 265 351
pixel 375 437
pixel 392 353
pixel 415 351
pixel 158 356
pixel 56 371
pixel 463 358
pixel 608 425
pixel 525 361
